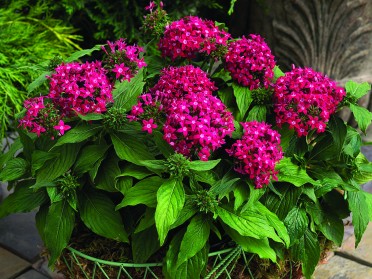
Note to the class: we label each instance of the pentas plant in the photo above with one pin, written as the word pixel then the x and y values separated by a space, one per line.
pixel 203 145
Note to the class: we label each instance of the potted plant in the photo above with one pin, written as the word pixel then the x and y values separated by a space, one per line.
pixel 198 159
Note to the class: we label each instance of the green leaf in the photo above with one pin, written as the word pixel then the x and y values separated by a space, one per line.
pixel 368 197
pixel 126 93
pixel 23 199
pixel 225 185
pixel 135 171
pixel 243 98
pixel 38 81
pixel 362 116
pixel 282 205
pixel 241 194
pixel 278 73
pixel 257 113
pixel 78 134
pixel 65 160
pixel 274 222
pixel 14 148
pixel 191 269
pixel 154 65
pixel 357 90
pixel 285 136
pixel 27 141
pixel 39 158
pixel 144 244
pixel 171 198
pixel 123 184
pixel 78 54
pixel 147 220
pixel 154 165
pixel 290 172
pixel 311 253
pixel 163 146
pixel 195 238
pixel 40 221
pixel 144 192
pixel 360 213
pixel 188 210
pixel 296 223
pixel 353 142
pixel 203 165
pixel 14 169
pixel 249 223
pixel 107 174
pixel 332 227
pixel 97 211
pixel 59 224
pixel 261 247
pixel 88 156
pixel 129 148
pixel 90 116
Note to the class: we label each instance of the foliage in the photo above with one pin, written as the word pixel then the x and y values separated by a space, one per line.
pixel 190 156
pixel 29 36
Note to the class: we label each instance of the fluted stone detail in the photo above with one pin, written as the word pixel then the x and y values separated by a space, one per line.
pixel 331 36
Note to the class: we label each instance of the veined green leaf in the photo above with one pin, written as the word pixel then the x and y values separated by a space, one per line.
pixel 78 134
pixel 282 205
pixel 261 247
pixel 59 224
pixel 65 160
pixel 23 199
pixel 249 223
pixel 144 192
pixel 311 253
pixel 97 211
pixel 88 156
pixel 90 116
pixel 126 92
pixel 39 158
pixel 296 223
pixel 360 213
pixel 135 171
pixel 190 269
pixel 144 244
pixel 243 97
pixel 357 90
pixel 147 220
pixel 257 113
pixel 290 172
pixel 362 116
pixel 203 165
pixel 195 238
pixel 129 148
pixel 332 227
pixel 78 54
pixel 107 173
pixel 170 198
pixel 14 169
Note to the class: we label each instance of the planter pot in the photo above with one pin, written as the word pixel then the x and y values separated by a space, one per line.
pixel 81 265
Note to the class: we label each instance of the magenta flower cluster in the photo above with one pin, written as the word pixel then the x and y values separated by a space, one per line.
pixel 257 153
pixel 250 62
pixel 192 35
pixel 123 60
pixel 42 117
pixel 195 122
pixel 80 88
pixel 305 99
pixel 176 82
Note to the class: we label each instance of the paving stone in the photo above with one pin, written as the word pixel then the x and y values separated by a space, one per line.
pixel 32 274
pixel 18 233
pixel 11 265
pixel 340 268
